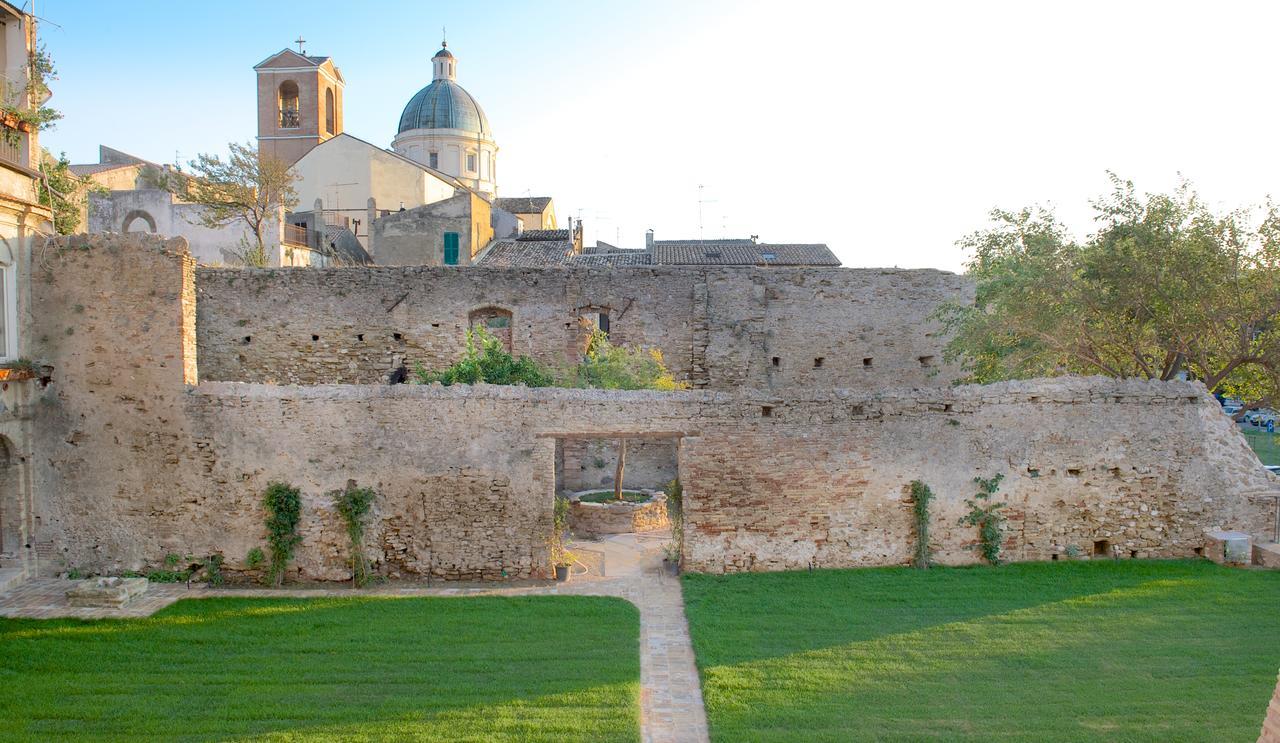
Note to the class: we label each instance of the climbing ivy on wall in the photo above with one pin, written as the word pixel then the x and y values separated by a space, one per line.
pixel 987 517
pixel 920 497
pixel 354 505
pixel 283 504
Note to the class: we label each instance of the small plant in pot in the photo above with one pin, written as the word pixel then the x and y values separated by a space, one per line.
pixel 563 563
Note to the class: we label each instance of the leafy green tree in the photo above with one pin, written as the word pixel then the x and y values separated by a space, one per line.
pixel 609 367
pixel 246 188
pixel 1165 286
pixel 63 192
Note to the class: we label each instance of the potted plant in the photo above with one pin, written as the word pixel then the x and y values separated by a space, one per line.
pixel 563 563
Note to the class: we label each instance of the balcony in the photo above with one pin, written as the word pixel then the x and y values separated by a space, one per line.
pixel 13 152
pixel 295 235
pixel 289 118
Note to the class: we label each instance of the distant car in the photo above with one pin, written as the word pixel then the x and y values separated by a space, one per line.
pixel 1272 468
pixel 1260 417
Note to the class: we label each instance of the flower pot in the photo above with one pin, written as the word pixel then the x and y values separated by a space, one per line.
pixel 562 573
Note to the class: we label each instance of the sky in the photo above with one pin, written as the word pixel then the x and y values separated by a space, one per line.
pixel 887 131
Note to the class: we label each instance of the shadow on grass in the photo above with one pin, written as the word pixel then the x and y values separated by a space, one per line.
pixel 1127 651
pixel 481 668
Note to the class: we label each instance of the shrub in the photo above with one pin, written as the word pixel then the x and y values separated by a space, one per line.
pixel 354 505
pixel 920 497
pixel 609 367
pixel 213 569
pixel 987 517
pixel 284 512
pixel 254 559
pixel 559 526
pixel 485 360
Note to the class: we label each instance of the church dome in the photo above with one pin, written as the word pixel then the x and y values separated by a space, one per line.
pixel 444 105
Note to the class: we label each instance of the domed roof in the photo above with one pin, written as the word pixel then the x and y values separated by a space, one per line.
pixel 443 105
pixel 444 53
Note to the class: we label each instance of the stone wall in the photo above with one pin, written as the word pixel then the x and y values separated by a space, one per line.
pixel 720 328
pixel 133 463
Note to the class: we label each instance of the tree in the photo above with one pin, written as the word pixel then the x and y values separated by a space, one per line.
pixel 63 192
pixel 245 188
pixel 1165 286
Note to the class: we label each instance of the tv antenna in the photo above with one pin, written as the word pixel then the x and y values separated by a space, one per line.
pixel 300 41
pixel 702 201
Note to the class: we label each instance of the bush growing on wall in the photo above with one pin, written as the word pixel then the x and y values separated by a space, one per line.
pixel 283 504
pixel 987 517
pixel 920 497
pixel 487 361
pixel 354 505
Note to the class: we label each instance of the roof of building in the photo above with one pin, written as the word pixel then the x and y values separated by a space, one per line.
pixel 342 245
pixel 523 204
pixel 714 241
pixel 92 168
pixel 527 253
pixel 338 139
pixel 620 258
pixel 690 253
pixel 444 104
pixel 536 235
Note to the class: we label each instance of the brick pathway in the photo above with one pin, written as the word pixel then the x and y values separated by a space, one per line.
pixel 671 709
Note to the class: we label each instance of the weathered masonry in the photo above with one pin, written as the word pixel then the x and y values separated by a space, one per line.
pixel 720 328
pixel 135 456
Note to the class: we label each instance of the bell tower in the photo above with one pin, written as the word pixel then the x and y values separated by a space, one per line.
pixel 299 102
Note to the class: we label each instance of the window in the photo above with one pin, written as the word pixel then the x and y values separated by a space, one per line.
pixel 328 110
pixel 471 162
pixel 602 322
pixel 451 248
pixel 289 105
pixel 496 320
pixel 433 160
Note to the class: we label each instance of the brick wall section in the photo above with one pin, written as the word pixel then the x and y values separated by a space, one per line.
pixel 1271 725
pixel 718 327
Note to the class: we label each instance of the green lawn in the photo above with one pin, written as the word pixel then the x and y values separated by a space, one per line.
pixel 1265 445
pixel 1114 651
pixel 606 496
pixel 456 669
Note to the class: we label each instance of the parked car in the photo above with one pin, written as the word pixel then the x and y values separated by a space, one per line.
pixel 1260 417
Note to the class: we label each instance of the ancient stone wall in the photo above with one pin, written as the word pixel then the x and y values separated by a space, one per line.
pixel 132 463
pixel 721 328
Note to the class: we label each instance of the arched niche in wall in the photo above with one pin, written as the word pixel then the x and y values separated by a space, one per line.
pixel 138 220
pixel 496 320
pixel 10 498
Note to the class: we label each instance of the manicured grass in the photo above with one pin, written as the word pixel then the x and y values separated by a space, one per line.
pixel 1265 445
pixel 435 669
pixel 1115 651
pixel 605 496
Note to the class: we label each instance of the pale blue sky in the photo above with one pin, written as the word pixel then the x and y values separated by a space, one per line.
pixel 885 130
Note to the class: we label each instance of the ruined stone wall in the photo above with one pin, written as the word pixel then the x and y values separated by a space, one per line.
pixel 587 464
pixel 720 328
pixel 132 464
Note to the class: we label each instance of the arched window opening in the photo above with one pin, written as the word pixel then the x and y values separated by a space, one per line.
pixel 138 221
pixel 328 110
pixel 289 118
pixel 495 320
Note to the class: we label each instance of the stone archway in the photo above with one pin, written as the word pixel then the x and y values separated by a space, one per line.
pixel 132 219
pixel 496 320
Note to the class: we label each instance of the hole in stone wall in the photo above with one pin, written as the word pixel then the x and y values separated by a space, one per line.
pixel 926 361
pixel 817 363
pixel 946 408
pixel 766 411
pixel 856 410
pixel 398 336
pixel 315 337
pixel 1033 472
pixel 247 338
pixel 776 361
pixel 1101 548
pixel 359 336
pixel 1073 472
pixel 1133 554
pixel 1199 551
pixel 435 324
pixel 866 361
pixel 1054 556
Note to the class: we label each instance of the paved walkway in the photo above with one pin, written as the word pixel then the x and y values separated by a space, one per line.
pixel 625 565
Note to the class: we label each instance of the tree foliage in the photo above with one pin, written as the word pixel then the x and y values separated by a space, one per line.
pixel 64 192
pixel 246 188
pixel 616 367
pixel 485 360
pixel 283 504
pixel 354 505
pixel 1164 286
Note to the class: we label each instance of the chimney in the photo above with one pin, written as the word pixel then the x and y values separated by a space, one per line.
pixel 648 240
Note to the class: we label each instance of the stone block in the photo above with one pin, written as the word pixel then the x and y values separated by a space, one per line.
pixel 1228 547
pixel 1267 555
pixel 106 592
